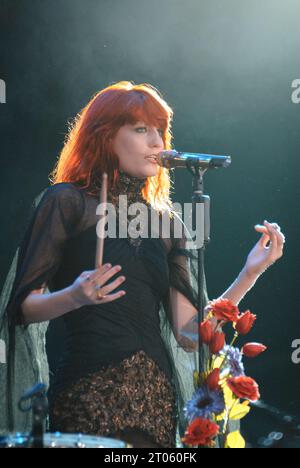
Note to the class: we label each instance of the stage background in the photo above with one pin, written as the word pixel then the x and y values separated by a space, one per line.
pixel 226 68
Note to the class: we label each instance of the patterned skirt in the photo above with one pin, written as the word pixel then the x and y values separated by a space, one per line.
pixel 135 394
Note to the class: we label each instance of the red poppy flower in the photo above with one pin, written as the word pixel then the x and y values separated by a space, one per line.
pixel 217 343
pixel 213 380
pixel 244 387
pixel 251 350
pixel 224 310
pixel 200 432
pixel 206 332
pixel 245 323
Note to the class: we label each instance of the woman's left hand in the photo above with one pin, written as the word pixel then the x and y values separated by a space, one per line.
pixel 261 256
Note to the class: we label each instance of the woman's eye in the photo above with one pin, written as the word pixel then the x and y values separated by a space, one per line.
pixel 141 128
pixel 160 131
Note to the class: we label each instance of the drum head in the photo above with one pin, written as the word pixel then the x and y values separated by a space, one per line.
pixel 59 440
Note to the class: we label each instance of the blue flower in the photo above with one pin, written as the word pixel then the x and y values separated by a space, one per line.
pixel 234 360
pixel 204 403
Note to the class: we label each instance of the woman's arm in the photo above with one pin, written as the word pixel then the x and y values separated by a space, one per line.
pixel 239 288
pixel 182 320
pixel 184 313
pixel 258 260
pixel 39 307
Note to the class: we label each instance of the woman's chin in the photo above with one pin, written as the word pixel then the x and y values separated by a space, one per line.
pixel 151 171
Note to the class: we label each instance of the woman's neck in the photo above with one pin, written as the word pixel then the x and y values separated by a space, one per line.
pixel 128 185
pixel 131 183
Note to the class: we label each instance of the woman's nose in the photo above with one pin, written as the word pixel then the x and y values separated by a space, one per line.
pixel 155 139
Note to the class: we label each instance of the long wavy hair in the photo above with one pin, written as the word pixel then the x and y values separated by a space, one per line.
pixel 87 152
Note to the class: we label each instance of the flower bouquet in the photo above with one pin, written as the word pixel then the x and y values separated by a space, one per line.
pixel 223 392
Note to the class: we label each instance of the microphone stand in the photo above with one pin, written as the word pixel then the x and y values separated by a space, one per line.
pixel 40 410
pixel 197 165
pixel 39 406
pixel 202 202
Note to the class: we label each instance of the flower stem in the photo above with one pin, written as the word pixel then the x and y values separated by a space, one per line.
pixel 228 411
pixel 236 335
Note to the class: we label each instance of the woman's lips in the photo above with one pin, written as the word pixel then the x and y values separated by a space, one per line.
pixel 152 159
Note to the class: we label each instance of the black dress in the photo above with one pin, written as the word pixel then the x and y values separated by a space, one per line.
pixel 114 371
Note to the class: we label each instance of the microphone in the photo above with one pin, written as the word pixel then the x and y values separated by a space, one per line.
pixel 175 159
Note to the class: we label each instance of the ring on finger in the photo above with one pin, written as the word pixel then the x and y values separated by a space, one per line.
pixel 99 294
pixel 98 290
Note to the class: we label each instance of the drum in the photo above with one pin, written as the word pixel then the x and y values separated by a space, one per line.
pixel 59 440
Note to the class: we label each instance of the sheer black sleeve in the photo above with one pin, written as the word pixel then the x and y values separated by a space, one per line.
pixel 183 267
pixel 51 224
pixel 184 356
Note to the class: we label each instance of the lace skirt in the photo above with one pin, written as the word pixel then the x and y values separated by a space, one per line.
pixel 135 394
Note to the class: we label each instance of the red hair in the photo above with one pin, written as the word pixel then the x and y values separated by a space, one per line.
pixel 88 153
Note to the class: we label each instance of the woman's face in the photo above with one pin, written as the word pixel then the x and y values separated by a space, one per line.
pixel 133 144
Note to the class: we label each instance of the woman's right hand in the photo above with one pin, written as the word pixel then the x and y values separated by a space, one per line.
pixel 84 289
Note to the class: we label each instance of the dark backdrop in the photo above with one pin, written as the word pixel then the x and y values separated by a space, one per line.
pixel 226 68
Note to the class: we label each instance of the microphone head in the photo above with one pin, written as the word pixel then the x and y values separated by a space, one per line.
pixel 176 159
pixel 167 158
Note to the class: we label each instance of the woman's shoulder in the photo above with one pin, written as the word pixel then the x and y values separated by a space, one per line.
pixel 61 191
pixel 64 194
